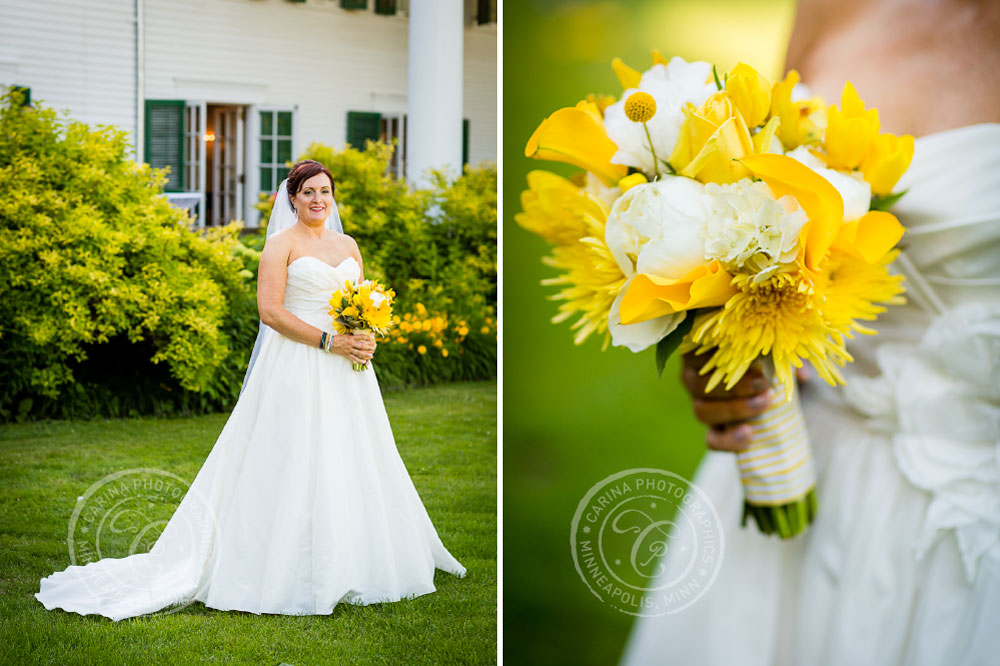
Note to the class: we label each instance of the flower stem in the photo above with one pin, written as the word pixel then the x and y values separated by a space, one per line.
pixel 656 164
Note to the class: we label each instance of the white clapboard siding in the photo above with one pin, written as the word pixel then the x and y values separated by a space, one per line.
pixel 78 56
pixel 315 56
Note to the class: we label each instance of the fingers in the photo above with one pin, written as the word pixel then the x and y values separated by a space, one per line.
pixel 732 438
pixel 752 383
pixel 720 412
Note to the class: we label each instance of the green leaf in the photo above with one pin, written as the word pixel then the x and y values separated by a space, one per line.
pixel 669 344
pixel 718 83
pixel 885 202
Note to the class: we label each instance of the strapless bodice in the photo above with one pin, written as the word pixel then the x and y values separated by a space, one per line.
pixel 310 284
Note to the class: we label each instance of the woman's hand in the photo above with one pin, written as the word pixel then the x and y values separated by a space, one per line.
pixel 357 347
pixel 726 412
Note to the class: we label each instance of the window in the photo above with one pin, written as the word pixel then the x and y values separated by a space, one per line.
pixel 354 4
pixel 386 7
pixel 165 139
pixel 486 11
pixel 394 127
pixel 465 141
pixel 364 125
pixel 275 148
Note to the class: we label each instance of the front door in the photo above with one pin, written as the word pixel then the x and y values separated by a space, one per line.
pixel 226 124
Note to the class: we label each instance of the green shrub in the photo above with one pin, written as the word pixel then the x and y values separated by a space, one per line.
pixel 109 303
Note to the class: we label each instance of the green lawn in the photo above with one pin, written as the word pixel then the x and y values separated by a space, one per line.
pixel 447 438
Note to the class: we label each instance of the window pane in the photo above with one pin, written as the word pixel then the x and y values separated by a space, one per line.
pixel 266 151
pixel 266 184
pixel 285 123
pixel 280 174
pixel 284 150
pixel 266 123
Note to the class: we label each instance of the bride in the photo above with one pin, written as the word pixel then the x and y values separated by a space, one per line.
pixel 303 502
pixel 902 565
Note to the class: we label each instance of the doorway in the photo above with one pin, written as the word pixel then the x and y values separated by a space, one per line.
pixel 225 163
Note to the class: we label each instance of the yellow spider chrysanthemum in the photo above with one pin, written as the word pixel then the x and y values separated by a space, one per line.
pixel 640 107
pixel 592 282
pixel 794 319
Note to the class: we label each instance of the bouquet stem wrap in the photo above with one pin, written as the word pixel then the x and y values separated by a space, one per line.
pixel 777 469
pixel 354 364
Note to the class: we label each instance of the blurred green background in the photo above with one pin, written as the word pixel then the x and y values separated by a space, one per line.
pixel 573 415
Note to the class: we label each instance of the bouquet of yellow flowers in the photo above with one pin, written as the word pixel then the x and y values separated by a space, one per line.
pixel 364 307
pixel 728 216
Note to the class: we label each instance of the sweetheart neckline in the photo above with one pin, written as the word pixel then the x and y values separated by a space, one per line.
pixel 309 256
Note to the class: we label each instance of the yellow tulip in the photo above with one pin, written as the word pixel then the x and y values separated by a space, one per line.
pixel 801 122
pixel 819 199
pixel 650 296
pixel 850 131
pixel 576 135
pixel 889 158
pixel 628 77
pixel 628 182
pixel 712 138
pixel 751 94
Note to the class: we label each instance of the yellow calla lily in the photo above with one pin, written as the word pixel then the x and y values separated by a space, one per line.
pixel 850 131
pixel 711 139
pixel 801 122
pixel 750 92
pixel 763 139
pixel 649 296
pixel 887 161
pixel 576 135
pixel 819 199
pixel 628 77
pixel 658 58
pixel 870 236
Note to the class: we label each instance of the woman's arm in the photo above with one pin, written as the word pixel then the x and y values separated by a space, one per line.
pixel 272 276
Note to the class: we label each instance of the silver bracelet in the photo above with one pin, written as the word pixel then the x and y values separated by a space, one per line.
pixel 329 342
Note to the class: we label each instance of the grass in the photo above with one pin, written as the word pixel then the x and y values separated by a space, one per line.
pixel 446 435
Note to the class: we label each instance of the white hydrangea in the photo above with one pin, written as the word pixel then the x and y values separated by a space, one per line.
pixel 853 188
pixel 749 230
pixel 672 86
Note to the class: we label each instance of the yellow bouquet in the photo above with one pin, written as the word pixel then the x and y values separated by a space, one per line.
pixel 364 307
pixel 729 215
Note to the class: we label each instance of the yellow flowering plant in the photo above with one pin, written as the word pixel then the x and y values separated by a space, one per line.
pixel 362 307
pixel 728 216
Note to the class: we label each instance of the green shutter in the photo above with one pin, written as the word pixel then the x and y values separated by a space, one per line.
pixel 386 7
pixel 165 139
pixel 465 141
pixel 363 125
pixel 24 90
pixel 354 4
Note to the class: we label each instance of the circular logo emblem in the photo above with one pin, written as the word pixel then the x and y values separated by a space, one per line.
pixel 647 541
pixel 122 516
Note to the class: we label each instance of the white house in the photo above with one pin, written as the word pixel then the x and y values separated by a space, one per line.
pixel 226 91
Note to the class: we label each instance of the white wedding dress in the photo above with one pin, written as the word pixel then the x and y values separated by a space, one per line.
pixel 902 566
pixel 302 503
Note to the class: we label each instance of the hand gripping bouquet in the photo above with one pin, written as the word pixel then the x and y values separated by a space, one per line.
pixel 728 216
pixel 364 307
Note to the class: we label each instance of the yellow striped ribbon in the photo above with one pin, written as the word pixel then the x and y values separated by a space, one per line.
pixel 777 468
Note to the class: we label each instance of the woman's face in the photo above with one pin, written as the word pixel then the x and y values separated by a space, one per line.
pixel 314 200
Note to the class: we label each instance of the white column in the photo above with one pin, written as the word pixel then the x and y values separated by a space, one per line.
pixel 434 97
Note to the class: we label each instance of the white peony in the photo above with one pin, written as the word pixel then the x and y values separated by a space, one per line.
pixel 656 228
pixel 749 230
pixel 672 86
pixel 853 188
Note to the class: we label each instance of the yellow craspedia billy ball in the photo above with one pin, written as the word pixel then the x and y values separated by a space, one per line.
pixel 640 107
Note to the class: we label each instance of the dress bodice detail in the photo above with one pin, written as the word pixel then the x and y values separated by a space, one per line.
pixel 311 283
pixel 931 378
